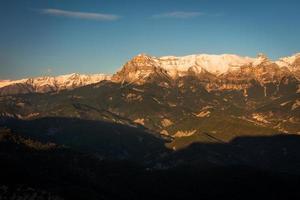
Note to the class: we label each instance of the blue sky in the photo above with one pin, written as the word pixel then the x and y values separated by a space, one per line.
pixel 51 37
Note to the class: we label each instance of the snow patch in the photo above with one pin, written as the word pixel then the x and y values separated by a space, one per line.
pixel 217 64
pixel 260 118
pixel 166 122
pixel 140 121
pixel 285 103
pixel 185 133
pixel 287 61
pixel 133 97
pixel 164 132
pixel 203 114
pixel 296 105
pixel 68 81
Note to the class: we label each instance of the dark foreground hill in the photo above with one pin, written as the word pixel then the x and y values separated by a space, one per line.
pixel 38 164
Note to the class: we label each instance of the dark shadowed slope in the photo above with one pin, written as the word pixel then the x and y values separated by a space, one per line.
pixel 106 140
pixel 34 168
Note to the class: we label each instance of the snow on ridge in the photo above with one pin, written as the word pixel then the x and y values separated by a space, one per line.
pixel 61 81
pixel 287 61
pixel 4 83
pixel 210 62
pixel 174 65
pixel 216 64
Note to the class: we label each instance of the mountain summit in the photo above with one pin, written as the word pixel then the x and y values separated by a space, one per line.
pixel 217 71
pixel 139 69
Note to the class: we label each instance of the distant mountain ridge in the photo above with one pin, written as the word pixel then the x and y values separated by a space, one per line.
pixel 49 84
pixel 224 68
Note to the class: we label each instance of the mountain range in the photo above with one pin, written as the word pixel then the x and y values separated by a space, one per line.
pixel 158 122
pixel 224 68
pixel 224 95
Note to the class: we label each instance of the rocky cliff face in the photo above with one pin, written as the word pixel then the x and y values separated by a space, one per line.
pixel 176 67
pixel 139 70
pixel 216 72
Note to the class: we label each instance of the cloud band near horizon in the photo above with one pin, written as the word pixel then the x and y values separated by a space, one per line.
pixel 80 15
pixel 178 15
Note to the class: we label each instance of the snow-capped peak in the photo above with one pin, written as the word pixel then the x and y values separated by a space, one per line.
pixel 216 64
pixel 288 61
pixel 197 63
pixel 4 83
pixel 260 59
pixel 144 66
pixel 68 81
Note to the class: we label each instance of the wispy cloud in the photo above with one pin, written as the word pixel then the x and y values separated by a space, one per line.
pixel 178 15
pixel 80 15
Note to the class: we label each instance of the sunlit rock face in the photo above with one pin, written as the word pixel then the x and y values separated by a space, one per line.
pixel 216 72
pixel 139 70
pixel 213 72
